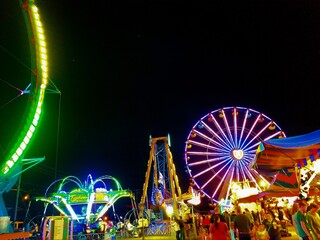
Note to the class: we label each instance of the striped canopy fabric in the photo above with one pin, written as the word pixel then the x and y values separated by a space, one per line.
pixel 274 155
pixel 275 193
pixel 282 159
pixel 286 178
pixel 285 184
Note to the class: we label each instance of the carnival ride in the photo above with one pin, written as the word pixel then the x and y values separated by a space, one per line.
pixel 220 151
pixel 165 190
pixel 82 205
pixel 12 160
pixel 220 148
pixel 165 184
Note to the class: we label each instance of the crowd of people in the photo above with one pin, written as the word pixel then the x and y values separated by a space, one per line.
pixel 247 225
pixel 270 223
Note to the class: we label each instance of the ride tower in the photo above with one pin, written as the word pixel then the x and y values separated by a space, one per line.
pixel 161 175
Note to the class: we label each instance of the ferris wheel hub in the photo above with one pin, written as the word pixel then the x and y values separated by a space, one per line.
pixel 237 154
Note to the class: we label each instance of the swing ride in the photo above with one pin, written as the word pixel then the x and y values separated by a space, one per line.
pixel 81 207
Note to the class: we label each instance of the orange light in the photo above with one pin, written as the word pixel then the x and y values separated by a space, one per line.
pixel 26 197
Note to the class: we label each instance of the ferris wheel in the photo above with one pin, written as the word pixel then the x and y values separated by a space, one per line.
pixel 220 151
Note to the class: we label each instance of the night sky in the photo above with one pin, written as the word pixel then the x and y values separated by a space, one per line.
pixel 130 69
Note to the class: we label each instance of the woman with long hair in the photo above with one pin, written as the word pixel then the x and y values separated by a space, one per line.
pixel 219 230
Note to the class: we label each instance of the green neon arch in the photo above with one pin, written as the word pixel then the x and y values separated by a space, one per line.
pixel 38 84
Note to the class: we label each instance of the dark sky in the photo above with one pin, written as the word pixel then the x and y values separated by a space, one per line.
pixel 130 69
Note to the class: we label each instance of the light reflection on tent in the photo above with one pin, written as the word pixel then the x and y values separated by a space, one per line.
pixel 276 154
pixel 283 158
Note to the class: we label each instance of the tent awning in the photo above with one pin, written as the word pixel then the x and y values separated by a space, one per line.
pixel 276 154
pixel 280 193
pixel 284 185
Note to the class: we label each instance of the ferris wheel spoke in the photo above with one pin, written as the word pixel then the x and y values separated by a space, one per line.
pixel 278 133
pixel 250 178
pixel 252 148
pixel 205 154
pixel 249 133
pixel 248 158
pixel 205 162
pixel 235 123
pixel 206 146
pixel 213 167
pixel 238 171
pixel 231 140
pixel 210 179
pixel 220 130
pixel 249 174
pixel 221 182
pixel 242 171
pixel 211 161
pixel 221 143
pixel 258 135
pixel 232 170
pixel 246 116
pixel 249 152
pixel 267 137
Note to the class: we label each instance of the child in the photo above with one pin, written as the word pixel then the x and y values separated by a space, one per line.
pixel 262 233
pixel 233 237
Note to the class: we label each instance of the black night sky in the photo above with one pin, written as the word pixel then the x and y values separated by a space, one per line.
pixel 130 69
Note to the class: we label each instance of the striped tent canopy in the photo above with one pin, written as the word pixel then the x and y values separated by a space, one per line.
pixel 274 155
pixel 285 184
pixel 286 178
pixel 275 193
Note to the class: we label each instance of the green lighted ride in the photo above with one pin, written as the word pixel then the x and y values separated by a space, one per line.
pixel 84 204
pixel 12 159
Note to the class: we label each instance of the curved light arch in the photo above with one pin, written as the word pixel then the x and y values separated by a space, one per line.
pixel 36 90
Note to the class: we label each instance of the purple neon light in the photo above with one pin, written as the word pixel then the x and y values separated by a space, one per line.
pixel 212 141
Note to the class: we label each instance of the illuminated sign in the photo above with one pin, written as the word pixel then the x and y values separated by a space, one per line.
pixel 100 196
pixel 78 197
